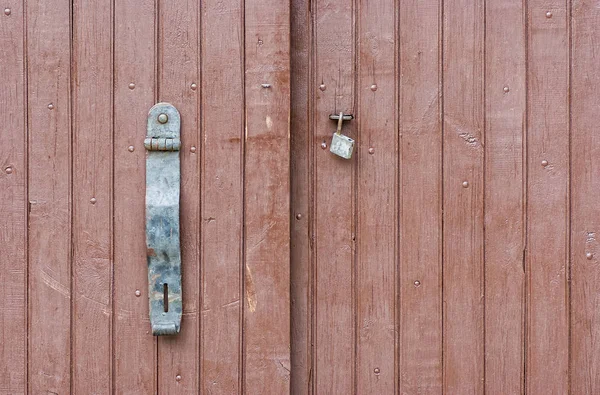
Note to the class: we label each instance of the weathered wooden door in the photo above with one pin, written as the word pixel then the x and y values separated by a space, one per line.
pixel 78 79
pixel 457 251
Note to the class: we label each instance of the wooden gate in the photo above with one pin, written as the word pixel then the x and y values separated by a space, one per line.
pixel 78 79
pixel 456 252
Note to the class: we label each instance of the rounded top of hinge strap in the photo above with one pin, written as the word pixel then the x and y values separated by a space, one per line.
pixel 164 121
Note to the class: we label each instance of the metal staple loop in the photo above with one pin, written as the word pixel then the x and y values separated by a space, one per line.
pixel 162 144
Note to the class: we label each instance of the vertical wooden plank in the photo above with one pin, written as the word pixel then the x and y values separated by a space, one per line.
pixel 92 196
pixel 221 195
pixel 13 190
pixel 420 290
pixel 547 332
pixel 463 196
pixel 333 197
pixel 134 94
pixel 178 84
pixel 585 210
pixel 377 199
pixel 504 197
pixel 266 347
pixel 49 280
pixel 301 177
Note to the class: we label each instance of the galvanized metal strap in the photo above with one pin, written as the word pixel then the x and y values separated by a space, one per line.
pixel 162 218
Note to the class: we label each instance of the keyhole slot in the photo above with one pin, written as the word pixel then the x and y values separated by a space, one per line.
pixel 166 297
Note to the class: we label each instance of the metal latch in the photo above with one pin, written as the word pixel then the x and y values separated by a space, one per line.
pixel 341 145
pixel 162 218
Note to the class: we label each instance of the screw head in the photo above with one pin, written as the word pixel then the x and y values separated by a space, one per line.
pixel 138 293
pixel 7 11
pixel 193 149
pixel 163 118
pixel 131 148
pixel 93 200
pixel 417 283
pixel 589 255
pixel 374 87
pixel 322 87
pixel 465 184
pixel 506 89
pixel 132 86
pixel 193 86
pixel 544 163
pixel 8 170
pixel 50 106
pixel 549 14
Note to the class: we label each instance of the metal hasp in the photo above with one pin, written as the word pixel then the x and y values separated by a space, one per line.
pixel 162 218
pixel 341 145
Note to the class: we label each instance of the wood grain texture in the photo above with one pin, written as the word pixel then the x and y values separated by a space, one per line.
pixel 135 358
pixel 266 341
pixel 547 256
pixel 178 69
pixel 13 203
pixel 376 156
pixel 505 123
pixel 92 196
pixel 333 198
pixel 49 177
pixel 222 72
pixel 420 209
pixel 301 149
pixel 463 139
pixel 585 211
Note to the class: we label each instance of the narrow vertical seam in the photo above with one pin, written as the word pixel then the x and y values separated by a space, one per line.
pixel 441 49
pixel 484 130
pixel 26 195
pixel 71 205
pixel 199 167
pixel 112 208
pixel 525 181
pixel 569 6
pixel 244 131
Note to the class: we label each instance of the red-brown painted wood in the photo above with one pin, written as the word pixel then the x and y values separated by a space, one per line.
pixel 585 211
pixel 505 123
pixel 135 353
pixel 419 319
pixel 547 255
pixel 49 200
pixel 376 158
pixel 266 314
pixel 464 141
pixel 92 195
pixel 13 202
pixel 221 180
pixel 178 368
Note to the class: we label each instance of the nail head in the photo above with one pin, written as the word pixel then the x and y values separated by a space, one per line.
pixel 8 170
pixel 374 87
pixel 163 118
pixel 589 255
pixel 544 163
pixel 322 87
pixel 193 149
pixel 298 216
pixel 324 145
pixel 178 377
pixel 371 150
pixel 193 86
pixel 417 283
pixel 131 148
pixel 7 11
pixel 265 85
pixel 132 86
pixel 93 200
pixel 465 184
pixel 50 106
pixel 506 89
pixel 138 293
pixel 549 14
pixel 376 370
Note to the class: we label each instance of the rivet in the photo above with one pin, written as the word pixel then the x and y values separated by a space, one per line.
pixel 193 149
pixel 193 86
pixel 138 293
pixel 465 184
pixel 417 283
pixel 50 106
pixel 544 163
pixel 324 145
pixel 178 378
pixel 549 14
pixel 131 148
pixel 322 87
pixel 589 255
pixel 265 85
pixel 8 170
pixel 132 86
pixel 163 118
pixel 373 87
pixel 371 150
pixel 298 216
pixel 376 371
pixel 7 11
pixel 93 200
pixel 506 89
